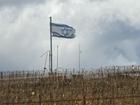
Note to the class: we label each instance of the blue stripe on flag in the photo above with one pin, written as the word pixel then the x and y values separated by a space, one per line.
pixel 63 30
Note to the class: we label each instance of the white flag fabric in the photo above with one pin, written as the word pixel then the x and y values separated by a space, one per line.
pixel 62 30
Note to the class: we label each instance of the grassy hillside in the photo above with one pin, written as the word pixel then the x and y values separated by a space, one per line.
pixel 103 87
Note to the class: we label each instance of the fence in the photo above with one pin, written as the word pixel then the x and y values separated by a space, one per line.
pixel 106 86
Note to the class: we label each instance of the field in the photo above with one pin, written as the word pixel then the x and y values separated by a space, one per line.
pixel 105 86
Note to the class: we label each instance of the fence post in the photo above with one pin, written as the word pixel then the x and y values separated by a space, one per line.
pixel 84 100
pixel 39 99
pixel 1 76
pixel 84 95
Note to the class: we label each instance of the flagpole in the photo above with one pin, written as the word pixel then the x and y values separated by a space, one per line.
pixel 51 53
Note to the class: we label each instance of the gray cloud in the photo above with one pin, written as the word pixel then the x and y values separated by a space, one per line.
pixel 19 2
pixel 114 43
pixel 108 33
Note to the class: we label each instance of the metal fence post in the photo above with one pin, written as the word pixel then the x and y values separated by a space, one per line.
pixel 39 99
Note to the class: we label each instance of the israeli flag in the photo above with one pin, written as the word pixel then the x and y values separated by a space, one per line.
pixel 62 30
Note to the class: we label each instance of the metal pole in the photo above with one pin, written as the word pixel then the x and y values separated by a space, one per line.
pixel 51 53
pixel 45 62
pixel 57 57
pixel 79 58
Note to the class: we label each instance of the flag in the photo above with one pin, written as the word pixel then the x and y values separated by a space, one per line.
pixel 62 30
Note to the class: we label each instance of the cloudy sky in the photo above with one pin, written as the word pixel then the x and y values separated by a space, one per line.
pixel 108 32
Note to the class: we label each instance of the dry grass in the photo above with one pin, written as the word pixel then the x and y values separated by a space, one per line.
pixel 104 87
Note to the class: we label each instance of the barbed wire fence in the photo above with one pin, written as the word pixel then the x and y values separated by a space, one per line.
pixel 114 85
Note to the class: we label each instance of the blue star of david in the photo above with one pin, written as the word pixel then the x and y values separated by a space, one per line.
pixel 65 31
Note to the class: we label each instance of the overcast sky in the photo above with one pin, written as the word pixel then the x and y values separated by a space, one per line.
pixel 108 32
